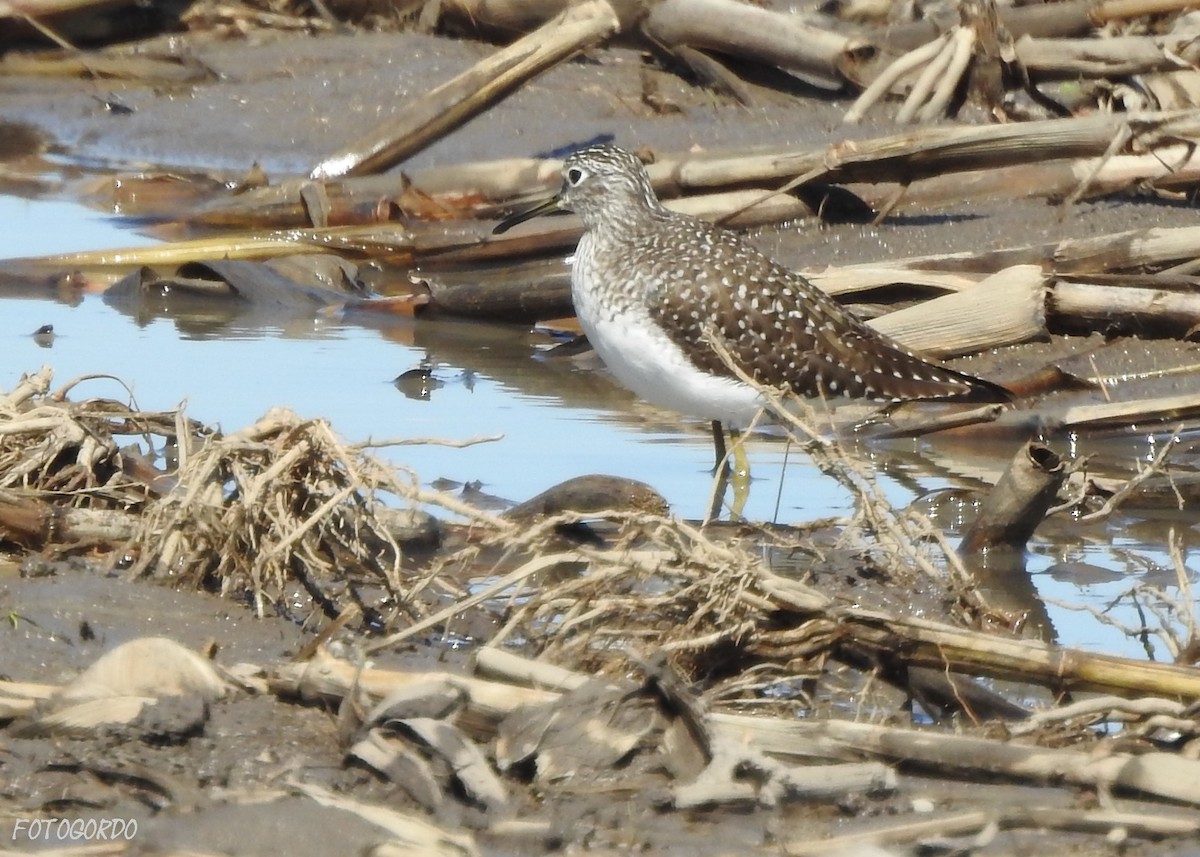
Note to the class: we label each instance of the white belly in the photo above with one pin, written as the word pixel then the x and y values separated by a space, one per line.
pixel 647 362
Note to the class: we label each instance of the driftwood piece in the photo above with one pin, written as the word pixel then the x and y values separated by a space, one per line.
pixel 739 776
pixel 1162 775
pixel 1121 414
pixel 35 524
pixel 1115 251
pixel 920 153
pixel 742 30
pixel 1115 824
pixel 452 103
pixel 898 157
pixel 329 678
pixel 1065 181
pixel 358 199
pixel 1018 503
pixel 144 70
pixel 1143 307
pixel 526 291
pixel 1006 308
pixel 1115 56
pixel 937 645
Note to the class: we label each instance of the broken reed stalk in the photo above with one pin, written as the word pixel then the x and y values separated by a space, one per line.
pixel 1015 506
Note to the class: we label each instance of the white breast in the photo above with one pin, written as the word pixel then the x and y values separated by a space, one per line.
pixel 644 360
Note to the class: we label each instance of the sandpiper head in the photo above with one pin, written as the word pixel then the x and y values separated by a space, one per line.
pixel 605 182
pixel 599 183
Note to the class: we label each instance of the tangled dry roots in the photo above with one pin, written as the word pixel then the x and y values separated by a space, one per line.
pixel 284 500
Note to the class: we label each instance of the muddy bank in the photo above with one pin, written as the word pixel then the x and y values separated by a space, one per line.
pixel 484 682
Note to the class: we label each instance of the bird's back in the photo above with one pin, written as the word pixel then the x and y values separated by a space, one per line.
pixel 778 327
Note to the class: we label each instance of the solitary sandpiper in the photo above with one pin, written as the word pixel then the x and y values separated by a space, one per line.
pixel 653 287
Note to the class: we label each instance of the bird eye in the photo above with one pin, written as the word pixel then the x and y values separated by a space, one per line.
pixel 574 176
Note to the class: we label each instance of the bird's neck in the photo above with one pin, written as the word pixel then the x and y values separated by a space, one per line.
pixel 628 221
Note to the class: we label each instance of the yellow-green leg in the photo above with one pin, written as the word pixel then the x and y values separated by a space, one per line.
pixel 735 471
pixel 740 477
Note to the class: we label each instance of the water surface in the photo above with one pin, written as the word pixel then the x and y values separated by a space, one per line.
pixel 556 419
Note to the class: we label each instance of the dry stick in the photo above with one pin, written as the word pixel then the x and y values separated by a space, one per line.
pixel 452 504
pixel 1161 409
pixel 1130 485
pixel 356 484
pixel 1162 306
pixel 944 422
pixel 1115 10
pixel 456 101
pixel 1120 139
pixel 909 154
pixel 925 82
pixel 964 47
pixel 1110 57
pixel 491 661
pixel 940 646
pixel 429 441
pixel 1144 825
pixel 884 83
pixel 1116 250
pixel 278 466
pixel 514 577
pixel 31 386
pixel 603 567
pixel 1100 708
pixel 1184 581
pixel 927 153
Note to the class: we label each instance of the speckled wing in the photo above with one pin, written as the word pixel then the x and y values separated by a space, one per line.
pixel 783 330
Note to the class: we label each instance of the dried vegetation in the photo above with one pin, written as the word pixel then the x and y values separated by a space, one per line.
pixel 649 642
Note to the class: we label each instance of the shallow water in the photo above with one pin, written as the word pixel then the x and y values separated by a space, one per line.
pixel 555 419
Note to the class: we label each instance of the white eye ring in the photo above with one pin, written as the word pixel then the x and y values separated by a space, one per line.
pixel 574 176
